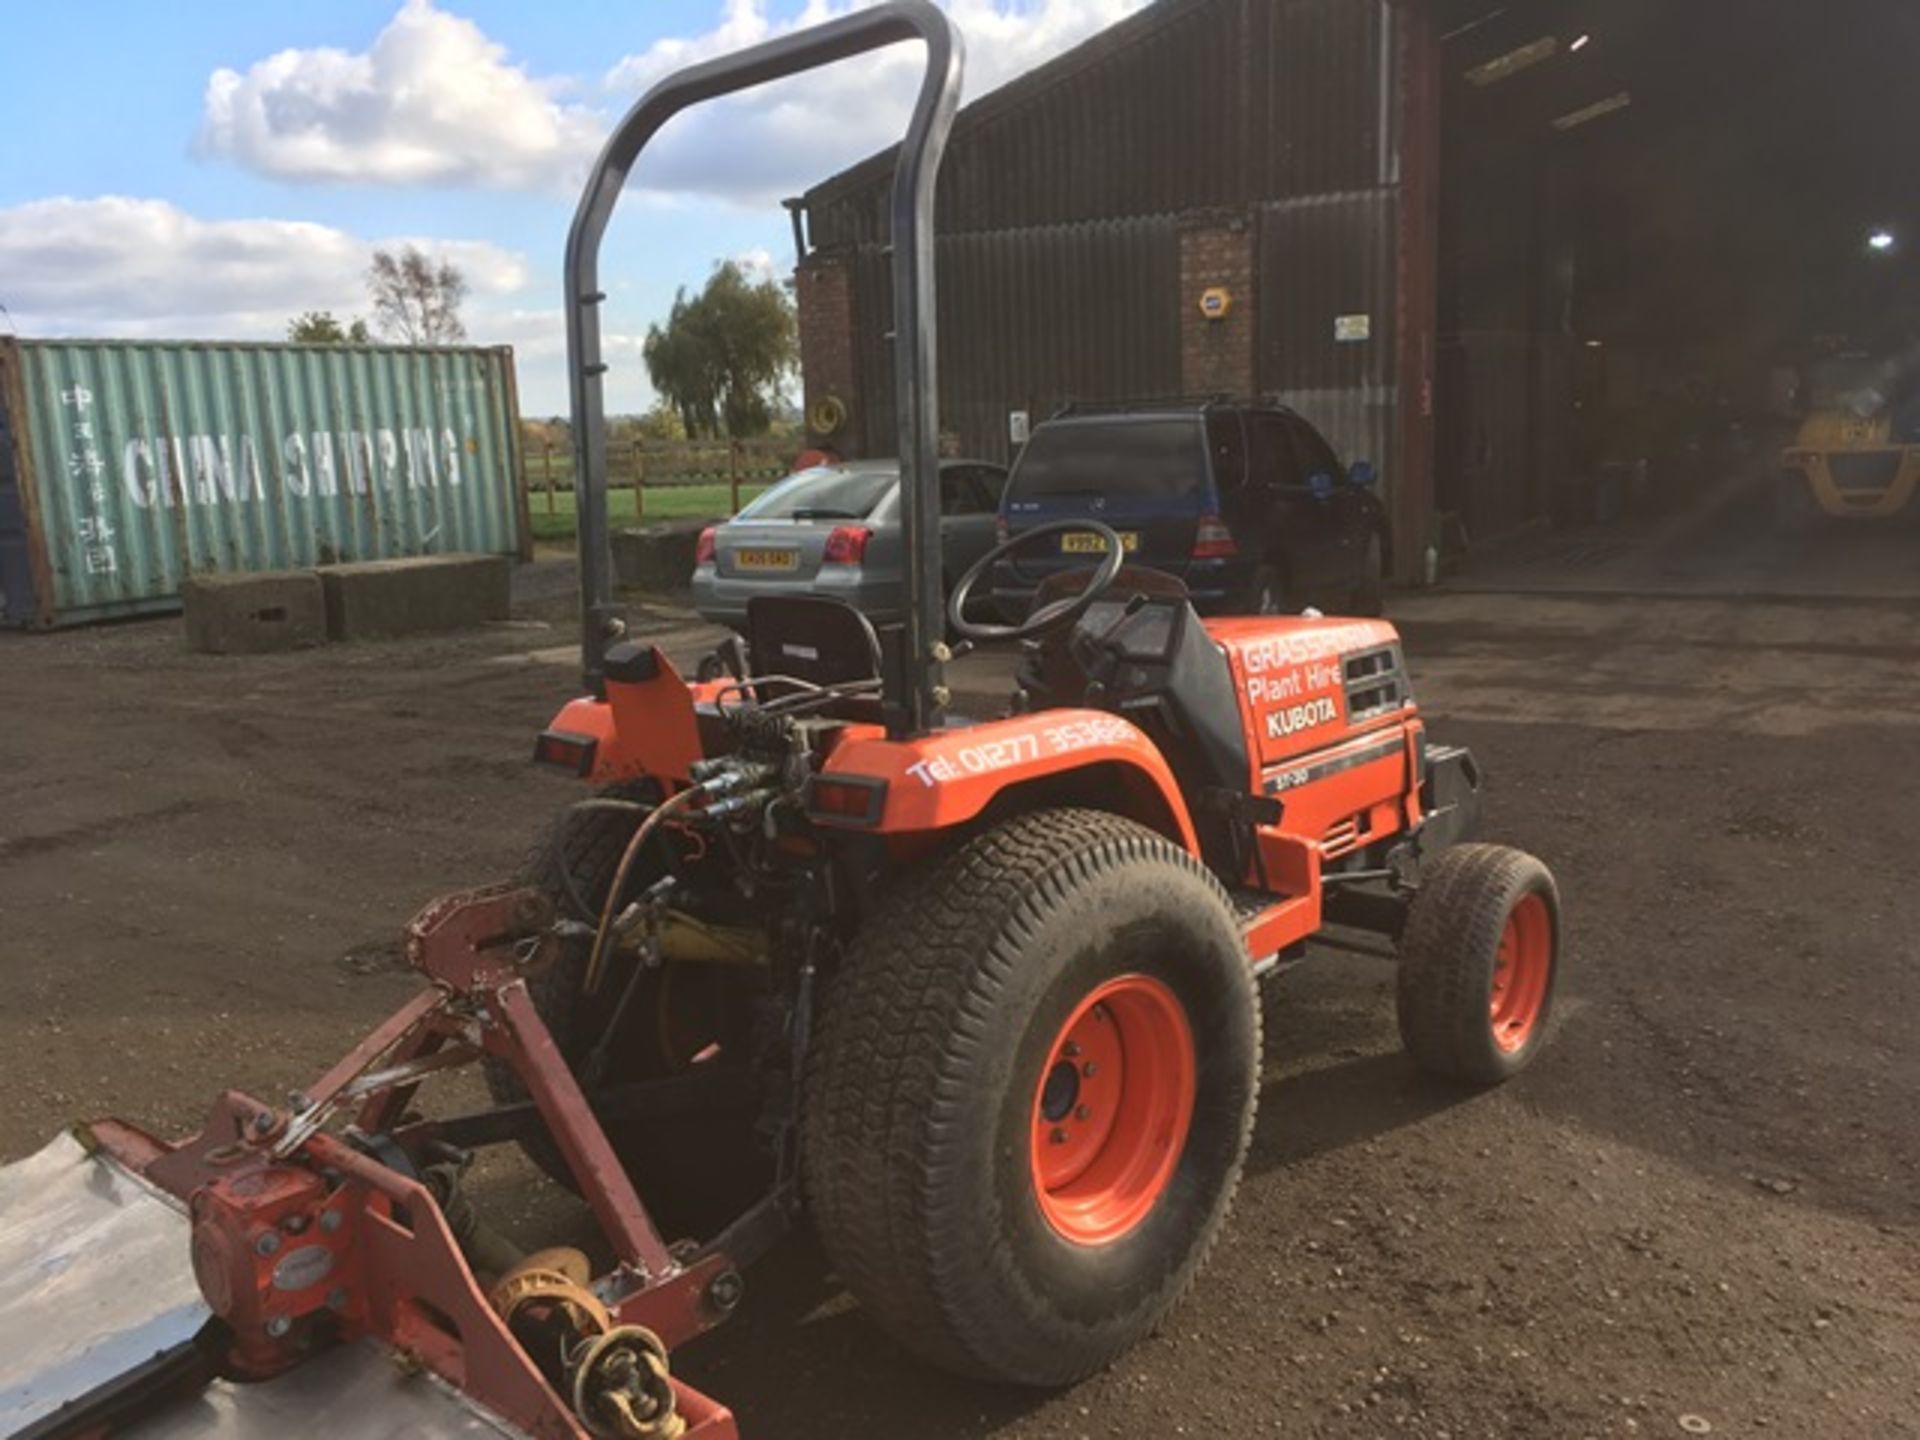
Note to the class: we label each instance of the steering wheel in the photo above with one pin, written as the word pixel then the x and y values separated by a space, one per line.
pixel 1056 612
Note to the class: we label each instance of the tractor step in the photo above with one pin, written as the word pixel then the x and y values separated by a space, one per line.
pixel 1261 913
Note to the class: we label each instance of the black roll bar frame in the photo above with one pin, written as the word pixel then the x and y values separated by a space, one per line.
pixel 916 691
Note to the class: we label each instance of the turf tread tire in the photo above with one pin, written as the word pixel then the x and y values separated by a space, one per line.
pixel 1453 931
pixel 904 1028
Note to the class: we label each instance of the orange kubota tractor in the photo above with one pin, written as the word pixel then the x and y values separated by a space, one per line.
pixel 976 1000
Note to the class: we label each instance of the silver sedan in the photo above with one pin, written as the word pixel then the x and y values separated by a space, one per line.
pixel 835 530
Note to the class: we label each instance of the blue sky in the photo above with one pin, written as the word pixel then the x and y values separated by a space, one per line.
pixel 211 168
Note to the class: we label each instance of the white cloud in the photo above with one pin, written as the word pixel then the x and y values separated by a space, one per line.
pixel 116 265
pixel 433 101
pixel 144 269
pixel 783 138
pixel 757 265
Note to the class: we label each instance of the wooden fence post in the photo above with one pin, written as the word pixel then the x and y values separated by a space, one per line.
pixel 546 466
pixel 639 481
pixel 733 477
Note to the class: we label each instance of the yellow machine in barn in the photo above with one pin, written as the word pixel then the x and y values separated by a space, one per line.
pixel 1858 451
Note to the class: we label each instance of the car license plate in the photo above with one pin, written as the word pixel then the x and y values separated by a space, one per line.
pixel 766 559
pixel 1087 542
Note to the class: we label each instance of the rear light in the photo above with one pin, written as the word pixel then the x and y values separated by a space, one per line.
pixel 703 548
pixel 566 749
pixel 846 799
pixel 847 545
pixel 1002 532
pixel 1212 540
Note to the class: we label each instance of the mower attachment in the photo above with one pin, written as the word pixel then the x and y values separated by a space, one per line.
pixel 267 1242
pixel 98 1279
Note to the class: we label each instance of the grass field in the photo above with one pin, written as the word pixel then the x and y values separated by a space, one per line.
pixel 664 502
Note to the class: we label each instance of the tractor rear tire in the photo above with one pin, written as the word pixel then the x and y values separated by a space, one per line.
pixel 1479 964
pixel 695 1171
pixel 1030 1094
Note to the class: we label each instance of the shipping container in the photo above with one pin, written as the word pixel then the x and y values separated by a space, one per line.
pixel 126 466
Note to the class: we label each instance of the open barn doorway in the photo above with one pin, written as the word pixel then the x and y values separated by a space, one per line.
pixel 1677 240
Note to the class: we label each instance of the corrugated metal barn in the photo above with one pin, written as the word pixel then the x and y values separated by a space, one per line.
pixel 1459 235
pixel 1258 148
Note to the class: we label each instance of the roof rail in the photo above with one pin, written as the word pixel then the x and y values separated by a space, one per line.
pixel 1272 400
pixel 1141 402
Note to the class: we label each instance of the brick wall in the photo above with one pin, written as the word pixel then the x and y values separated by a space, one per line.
pixel 828 365
pixel 1217 355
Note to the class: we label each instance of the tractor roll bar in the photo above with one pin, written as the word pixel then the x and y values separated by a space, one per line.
pixel 916 398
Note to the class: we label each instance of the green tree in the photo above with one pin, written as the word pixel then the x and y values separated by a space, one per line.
pixel 416 300
pixel 661 422
pixel 322 327
pixel 724 356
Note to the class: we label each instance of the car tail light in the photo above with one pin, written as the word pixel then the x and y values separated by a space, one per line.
pixel 1212 540
pixel 1002 532
pixel 847 545
pixel 703 549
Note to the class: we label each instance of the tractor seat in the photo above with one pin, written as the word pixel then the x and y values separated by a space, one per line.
pixel 1142 652
pixel 799 641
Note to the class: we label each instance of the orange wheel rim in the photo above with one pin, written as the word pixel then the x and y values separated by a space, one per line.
pixel 1111 1112
pixel 1522 971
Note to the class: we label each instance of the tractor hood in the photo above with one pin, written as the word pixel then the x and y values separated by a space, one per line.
pixel 1307 682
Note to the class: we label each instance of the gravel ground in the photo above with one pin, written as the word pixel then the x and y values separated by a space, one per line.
pixel 1698 1209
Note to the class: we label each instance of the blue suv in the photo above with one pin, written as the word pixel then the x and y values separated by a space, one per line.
pixel 1245 502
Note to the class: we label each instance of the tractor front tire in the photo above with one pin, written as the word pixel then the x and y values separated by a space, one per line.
pixel 1030 1094
pixel 1479 964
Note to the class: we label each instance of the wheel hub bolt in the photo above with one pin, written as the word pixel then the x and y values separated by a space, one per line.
pixel 1081 1112
pixel 1059 1136
pixel 1070 1050
pixel 1089 1069
pixel 278 1326
pixel 267 1243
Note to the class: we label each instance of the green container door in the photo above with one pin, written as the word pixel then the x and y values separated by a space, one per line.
pixel 136 465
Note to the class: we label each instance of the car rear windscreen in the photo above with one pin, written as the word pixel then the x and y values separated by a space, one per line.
pixel 826 493
pixel 1152 459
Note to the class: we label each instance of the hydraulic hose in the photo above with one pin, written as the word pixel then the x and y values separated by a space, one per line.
pixel 596 958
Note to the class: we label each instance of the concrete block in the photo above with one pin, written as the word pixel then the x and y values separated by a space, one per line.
pixel 657 557
pixel 252 614
pixel 423 593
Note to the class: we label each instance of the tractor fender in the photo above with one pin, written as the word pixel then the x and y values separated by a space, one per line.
pixel 646 725
pixel 935 782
